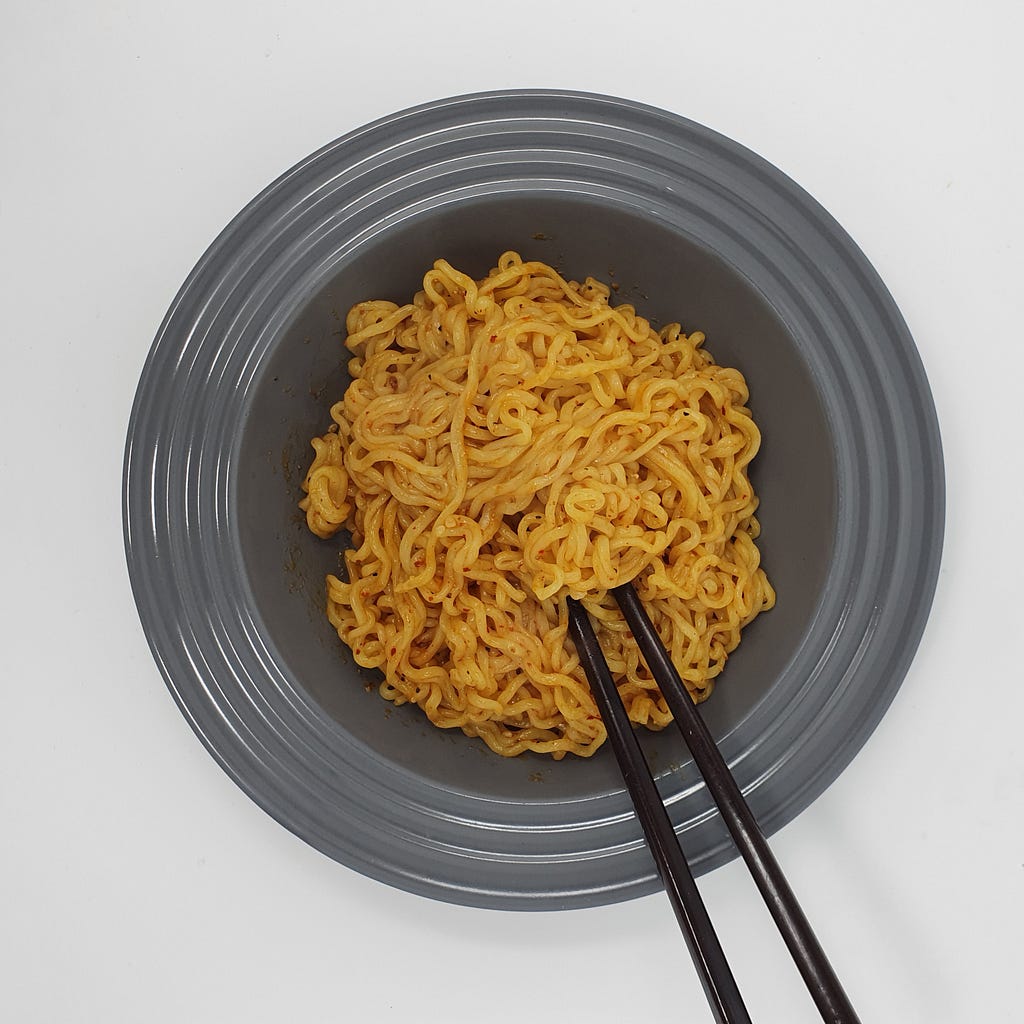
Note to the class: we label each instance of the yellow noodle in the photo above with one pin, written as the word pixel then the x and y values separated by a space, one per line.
pixel 507 442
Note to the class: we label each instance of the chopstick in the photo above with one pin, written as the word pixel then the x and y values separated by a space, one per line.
pixel 832 1002
pixel 708 957
pixel 819 977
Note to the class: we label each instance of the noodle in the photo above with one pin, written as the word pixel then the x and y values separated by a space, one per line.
pixel 507 442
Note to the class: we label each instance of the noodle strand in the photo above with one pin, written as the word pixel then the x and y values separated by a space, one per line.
pixel 510 441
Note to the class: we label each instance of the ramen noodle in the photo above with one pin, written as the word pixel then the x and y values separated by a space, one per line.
pixel 510 441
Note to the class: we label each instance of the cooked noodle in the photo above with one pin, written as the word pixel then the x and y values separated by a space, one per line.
pixel 507 442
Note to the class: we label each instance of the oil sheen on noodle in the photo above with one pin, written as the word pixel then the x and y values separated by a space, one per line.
pixel 507 442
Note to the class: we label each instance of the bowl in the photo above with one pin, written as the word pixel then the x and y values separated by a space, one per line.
pixel 691 227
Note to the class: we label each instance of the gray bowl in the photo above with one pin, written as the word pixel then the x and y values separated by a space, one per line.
pixel 692 227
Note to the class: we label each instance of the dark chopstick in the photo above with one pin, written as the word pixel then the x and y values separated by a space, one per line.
pixel 708 957
pixel 822 983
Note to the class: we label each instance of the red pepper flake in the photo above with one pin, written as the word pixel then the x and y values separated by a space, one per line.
pixel 494 338
pixel 393 651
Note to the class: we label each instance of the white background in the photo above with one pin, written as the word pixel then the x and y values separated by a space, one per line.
pixel 136 882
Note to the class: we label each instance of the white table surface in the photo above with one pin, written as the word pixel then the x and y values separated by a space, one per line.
pixel 137 883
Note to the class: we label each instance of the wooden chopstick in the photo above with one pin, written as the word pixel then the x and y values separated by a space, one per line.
pixel 709 959
pixel 819 977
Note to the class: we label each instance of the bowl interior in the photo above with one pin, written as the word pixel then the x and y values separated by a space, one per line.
pixel 668 277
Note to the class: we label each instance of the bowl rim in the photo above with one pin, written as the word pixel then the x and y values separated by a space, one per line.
pixel 747 189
